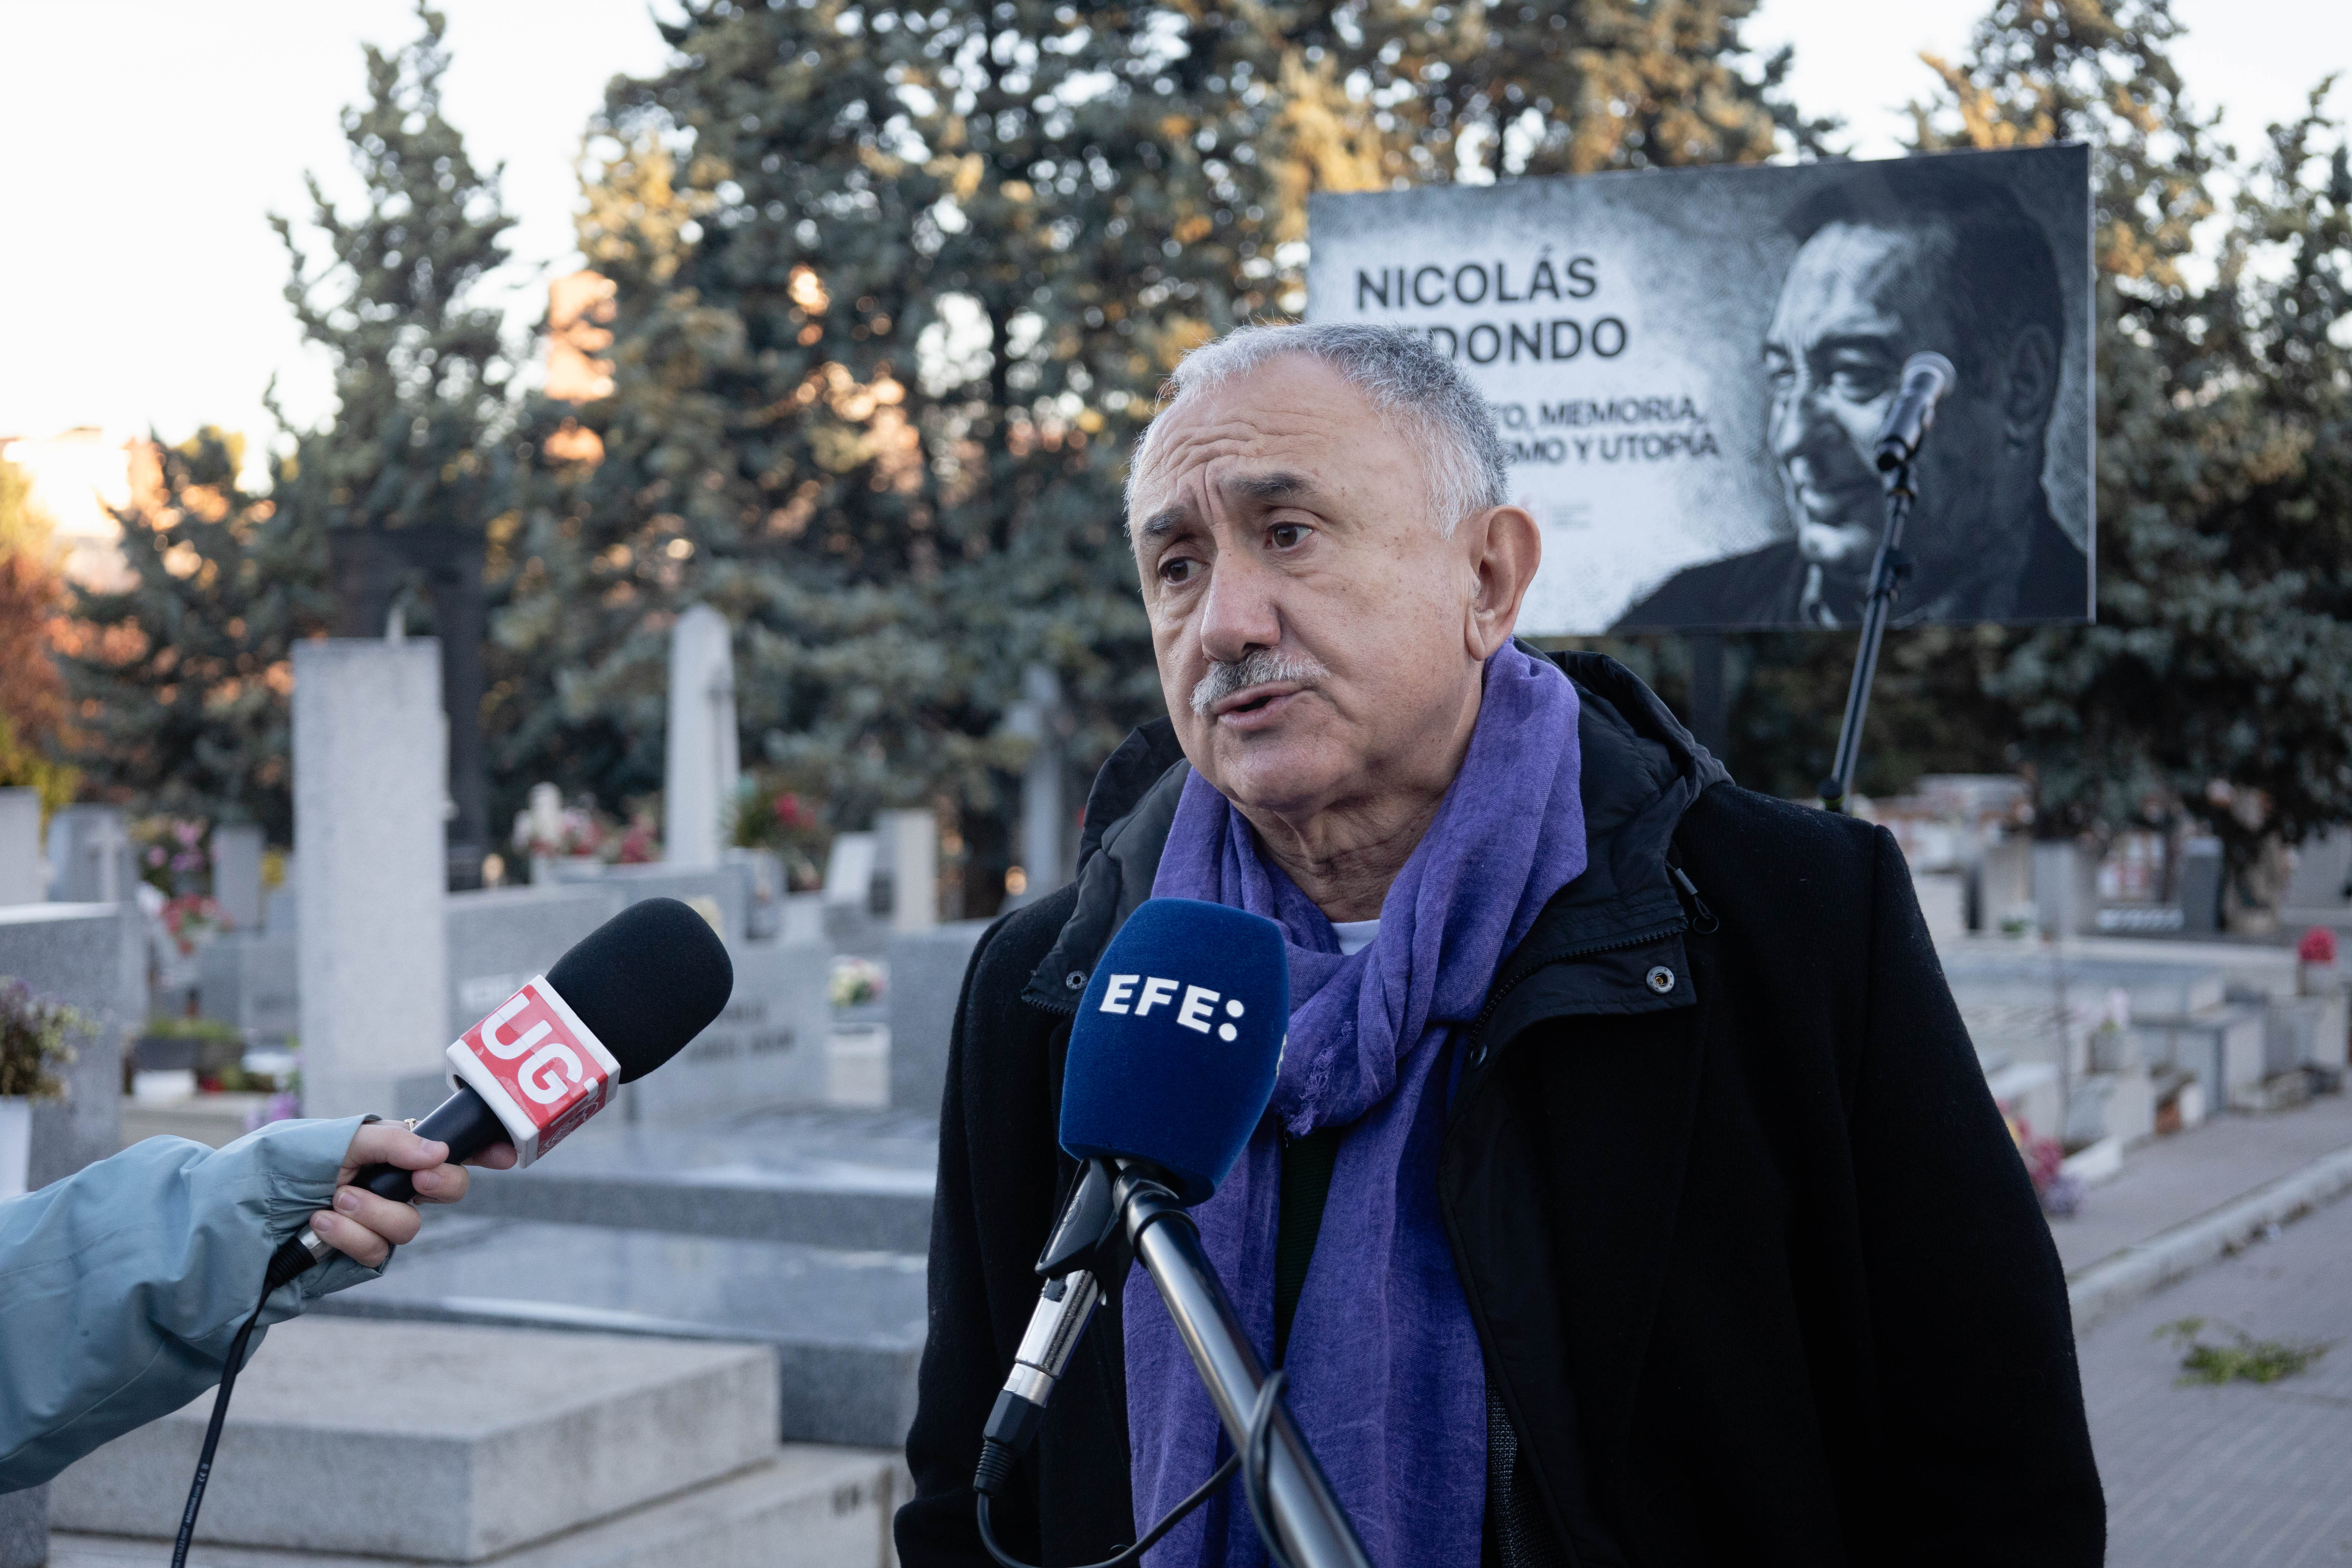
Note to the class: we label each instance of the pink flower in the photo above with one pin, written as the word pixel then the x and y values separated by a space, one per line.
pixel 2318 946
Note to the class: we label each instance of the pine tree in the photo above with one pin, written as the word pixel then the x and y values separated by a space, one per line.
pixel 405 480
pixel 182 682
pixel 2218 683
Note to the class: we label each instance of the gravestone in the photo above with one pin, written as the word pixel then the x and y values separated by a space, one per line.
pixel 2201 876
pixel 1046 836
pixel 767 1048
pixel 909 842
pixel 2065 888
pixel 370 771
pixel 848 908
pixel 699 777
pixel 927 972
pixel 763 886
pixel 724 888
pixel 237 874
pixel 91 957
pixel 499 938
pixel 89 855
pixel 24 878
pixel 250 980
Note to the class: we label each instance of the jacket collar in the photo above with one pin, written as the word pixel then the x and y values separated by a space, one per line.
pixel 1642 770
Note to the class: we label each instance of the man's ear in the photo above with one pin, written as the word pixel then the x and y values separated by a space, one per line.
pixel 1503 548
pixel 2028 386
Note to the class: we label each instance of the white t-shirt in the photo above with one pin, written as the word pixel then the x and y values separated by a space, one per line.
pixel 1355 935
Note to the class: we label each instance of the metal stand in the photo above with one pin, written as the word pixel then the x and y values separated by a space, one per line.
pixel 1888 573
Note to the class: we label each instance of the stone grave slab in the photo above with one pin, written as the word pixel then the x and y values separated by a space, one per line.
pixel 927 971
pixel 252 981
pixel 90 957
pixel 846 1327
pixel 766 1049
pixel 371 778
pixel 727 885
pixel 824 1178
pixel 24 1527
pixel 500 937
pixel 432 1443
pixel 808 1507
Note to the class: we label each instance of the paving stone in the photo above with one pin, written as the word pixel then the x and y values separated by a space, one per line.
pixel 846 1327
pixel 2250 1476
pixel 806 1507
pixel 434 1443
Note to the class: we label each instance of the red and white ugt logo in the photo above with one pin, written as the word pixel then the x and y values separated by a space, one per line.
pixel 537 1067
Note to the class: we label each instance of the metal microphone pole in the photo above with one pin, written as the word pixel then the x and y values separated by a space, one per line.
pixel 1310 1527
pixel 1888 572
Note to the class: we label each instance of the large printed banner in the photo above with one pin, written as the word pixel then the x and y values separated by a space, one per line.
pixel 1688 369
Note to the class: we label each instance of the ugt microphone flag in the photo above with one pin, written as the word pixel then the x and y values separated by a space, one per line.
pixel 1688 369
pixel 538 1067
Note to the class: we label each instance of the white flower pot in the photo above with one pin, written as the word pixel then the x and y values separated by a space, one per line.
pixel 16 1145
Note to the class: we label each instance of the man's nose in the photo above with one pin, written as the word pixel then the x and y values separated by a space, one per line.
pixel 1240 611
pixel 1799 424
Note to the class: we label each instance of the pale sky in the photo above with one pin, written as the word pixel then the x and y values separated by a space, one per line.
pixel 140 285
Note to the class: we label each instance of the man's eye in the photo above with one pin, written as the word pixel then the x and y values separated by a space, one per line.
pixel 1179 570
pixel 1286 536
pixel 1857 383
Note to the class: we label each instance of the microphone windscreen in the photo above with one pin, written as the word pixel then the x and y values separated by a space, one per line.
pixel 647 982
pixel 1174 1052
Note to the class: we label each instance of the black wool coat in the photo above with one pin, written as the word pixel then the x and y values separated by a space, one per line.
pixel 1759 1277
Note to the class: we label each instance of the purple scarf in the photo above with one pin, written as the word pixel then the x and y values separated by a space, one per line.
pixel 1386 1379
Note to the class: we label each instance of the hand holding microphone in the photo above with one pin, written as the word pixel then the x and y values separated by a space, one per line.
pixel 365 1227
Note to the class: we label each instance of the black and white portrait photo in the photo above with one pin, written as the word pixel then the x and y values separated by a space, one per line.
pixel 1690 369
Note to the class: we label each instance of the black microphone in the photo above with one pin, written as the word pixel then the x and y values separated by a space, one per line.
pixel 1925 378
pixel 626 998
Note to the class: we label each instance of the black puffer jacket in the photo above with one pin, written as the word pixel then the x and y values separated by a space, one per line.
pixel 1759 1277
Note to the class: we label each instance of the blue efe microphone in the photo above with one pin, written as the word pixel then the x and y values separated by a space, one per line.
pixel 1172 1063
pixel 1173 1053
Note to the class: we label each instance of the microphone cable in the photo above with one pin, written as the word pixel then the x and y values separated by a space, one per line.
pixel 290 1258
pixel 1256 1447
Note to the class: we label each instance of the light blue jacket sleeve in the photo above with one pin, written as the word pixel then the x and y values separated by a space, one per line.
pixel 121 1286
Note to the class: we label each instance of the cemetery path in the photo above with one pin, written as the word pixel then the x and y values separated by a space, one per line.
pixel 2241 1475
pixel 2176 1179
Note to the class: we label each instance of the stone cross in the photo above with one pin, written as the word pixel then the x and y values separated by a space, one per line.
pixel 700 781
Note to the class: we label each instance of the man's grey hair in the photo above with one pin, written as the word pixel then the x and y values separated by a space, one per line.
pixel 1422 391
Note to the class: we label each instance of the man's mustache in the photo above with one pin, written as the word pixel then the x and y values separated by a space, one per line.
pixel 1260 669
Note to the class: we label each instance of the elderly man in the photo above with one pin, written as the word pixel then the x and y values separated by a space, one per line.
pixel 1955 265
pixel 1630 1193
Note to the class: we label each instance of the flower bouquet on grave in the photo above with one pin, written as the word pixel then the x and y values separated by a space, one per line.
pixel 2314 967
pixel 193 920
pixel 175 853
pixel 775 815
pixel 857 983
pixel 2045 1166
pixel 35 1043
pixel 639 844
